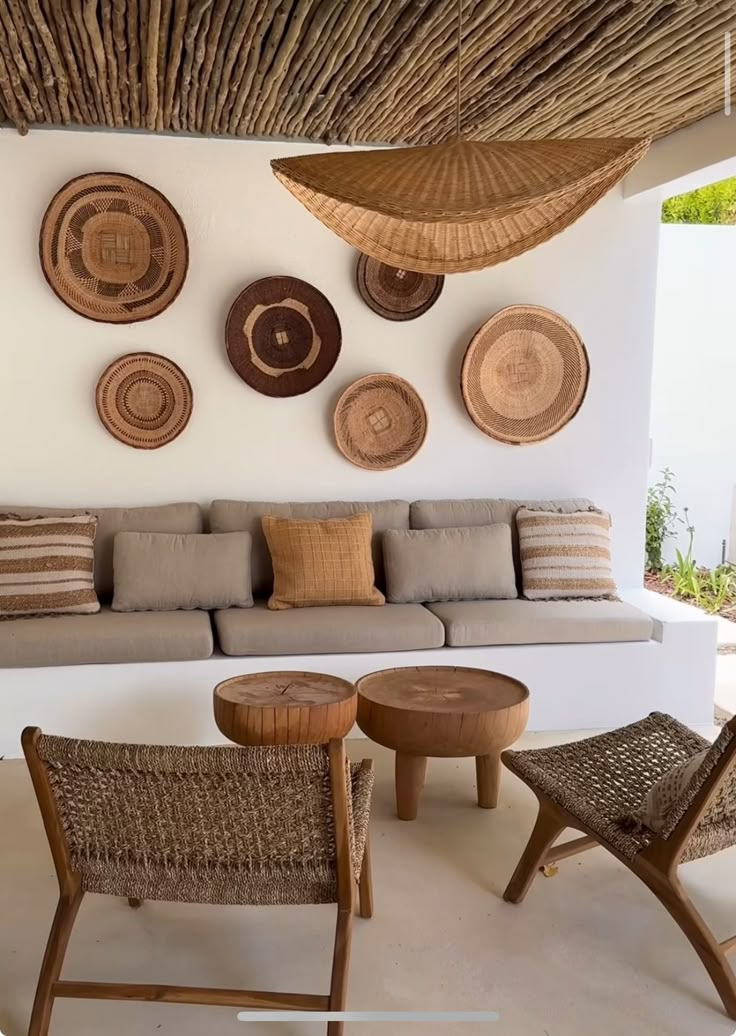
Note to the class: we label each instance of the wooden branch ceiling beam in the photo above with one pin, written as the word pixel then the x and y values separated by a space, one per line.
pixel 347 71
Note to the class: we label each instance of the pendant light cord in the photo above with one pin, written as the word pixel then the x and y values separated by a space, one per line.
pixel 459 66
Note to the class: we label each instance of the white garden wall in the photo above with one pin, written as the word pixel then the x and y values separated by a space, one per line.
pixel 694 386
pixel 243 225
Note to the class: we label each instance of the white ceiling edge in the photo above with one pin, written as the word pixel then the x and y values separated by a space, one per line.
pixel 699 154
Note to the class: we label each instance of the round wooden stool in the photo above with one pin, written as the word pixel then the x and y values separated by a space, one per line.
pixel 284 708
pixel 442 711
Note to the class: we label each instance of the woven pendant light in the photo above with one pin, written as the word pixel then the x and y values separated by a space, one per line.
pixel 459 205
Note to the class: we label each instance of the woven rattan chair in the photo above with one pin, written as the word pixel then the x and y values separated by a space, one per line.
pixel 594 786
pixel 201 825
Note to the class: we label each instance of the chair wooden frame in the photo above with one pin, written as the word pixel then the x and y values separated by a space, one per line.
pixel 349 892
pixel 656 866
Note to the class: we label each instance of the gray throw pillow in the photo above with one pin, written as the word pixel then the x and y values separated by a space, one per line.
pixel 161 571
pixel 468 564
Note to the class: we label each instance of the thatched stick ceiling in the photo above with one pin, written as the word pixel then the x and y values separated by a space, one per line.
pixel 363 70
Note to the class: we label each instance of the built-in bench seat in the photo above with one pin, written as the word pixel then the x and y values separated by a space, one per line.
pixel 481 623
pixel 320 631
pixel 105 637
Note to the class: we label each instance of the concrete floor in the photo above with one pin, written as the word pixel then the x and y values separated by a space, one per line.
pixel 589 951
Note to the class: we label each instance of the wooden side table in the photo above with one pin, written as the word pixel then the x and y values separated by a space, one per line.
pixel 284 708
pixel 442 711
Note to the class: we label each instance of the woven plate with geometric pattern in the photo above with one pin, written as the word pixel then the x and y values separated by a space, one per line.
pixel 144 400
pixel 113 249
pixel 524 375
pixel 283 336
pixel 380 422
pixel 396 294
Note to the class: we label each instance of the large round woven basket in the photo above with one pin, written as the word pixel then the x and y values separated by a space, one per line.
pixel 380 422
pixel 459 205
pixel 283 336
pixel 113 249
pixel 144 400
pixel 524 375
pixel 394 293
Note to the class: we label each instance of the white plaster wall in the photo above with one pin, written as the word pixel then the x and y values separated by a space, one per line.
pixel 242 225
pixel 694 385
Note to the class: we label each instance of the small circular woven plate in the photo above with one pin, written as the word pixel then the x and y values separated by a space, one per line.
pixel 283 336
pixel 113 248
pixel 144 400
pixel 380 422
pixel 524 375
pixel 396 294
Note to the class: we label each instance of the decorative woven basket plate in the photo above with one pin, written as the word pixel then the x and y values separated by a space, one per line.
pixel 524 375
pixel 380 422
pixel 113 248
pixel 144 400
pixel 283 336
pixel 394 293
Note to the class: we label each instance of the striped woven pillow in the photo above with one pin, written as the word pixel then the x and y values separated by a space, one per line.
pixel 47 565
pixel 565 555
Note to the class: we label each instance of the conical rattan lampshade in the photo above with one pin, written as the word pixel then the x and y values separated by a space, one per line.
pixel 460 205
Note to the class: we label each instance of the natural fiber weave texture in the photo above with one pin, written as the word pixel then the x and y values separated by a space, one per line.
pixel 205 825
pixel 565 556
pixel 380 422
pixel 525 374
pixel 396 294
pixel 602 781
pixel 321 562
pixel 283 336
pixel 47 566
pixel 459 205
pixel 144 400
pixel 113 248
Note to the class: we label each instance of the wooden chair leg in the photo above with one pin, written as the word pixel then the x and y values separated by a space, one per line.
pixel 547 829
pixel 365 884
pixel 676 901
pixel 61 929
pixel 340 966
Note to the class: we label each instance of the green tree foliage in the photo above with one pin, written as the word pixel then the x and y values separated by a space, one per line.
pixel 715 203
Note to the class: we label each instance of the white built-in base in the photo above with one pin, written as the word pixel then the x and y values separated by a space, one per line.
pixel 573 686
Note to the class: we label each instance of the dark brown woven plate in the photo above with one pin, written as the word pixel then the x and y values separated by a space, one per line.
pixel 283 336
pixel 113 248
pixel 144 400
pixel 525 374
pixel 396 294
pixel 380 422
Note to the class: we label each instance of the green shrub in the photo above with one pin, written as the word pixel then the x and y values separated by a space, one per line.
pixel 715 203
pixel 662 518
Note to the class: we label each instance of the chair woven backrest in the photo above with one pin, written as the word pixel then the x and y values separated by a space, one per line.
pixel 220 824
pixel 720 814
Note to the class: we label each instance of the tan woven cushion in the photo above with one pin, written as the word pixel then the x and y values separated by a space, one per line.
pixel 321 562
pixel 466 564
pixel 161 571
pixel 565 555
pixel 47 566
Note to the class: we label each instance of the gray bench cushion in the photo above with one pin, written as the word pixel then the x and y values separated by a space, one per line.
pixel 475 623
pixel 334 630
pixel 108 636
pixel 453 514
pixel 111 520
pixel 246 515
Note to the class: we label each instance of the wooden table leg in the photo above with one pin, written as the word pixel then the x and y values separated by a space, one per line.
pixel 488 775
pixel 410 772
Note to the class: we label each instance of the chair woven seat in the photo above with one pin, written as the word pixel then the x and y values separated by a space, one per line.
pixel 224 825
pixel 603 779
pixel 233 826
